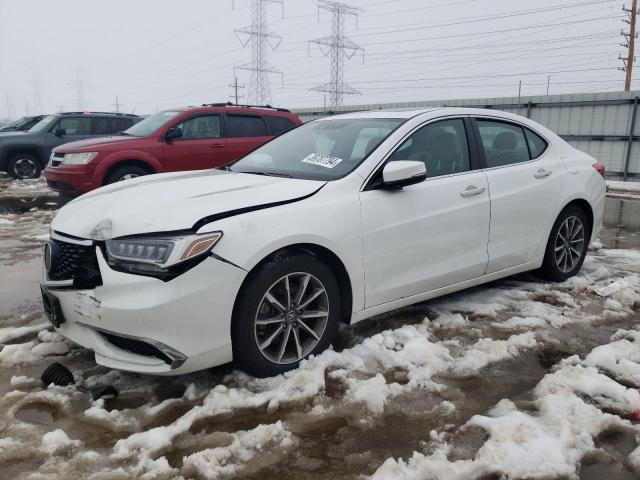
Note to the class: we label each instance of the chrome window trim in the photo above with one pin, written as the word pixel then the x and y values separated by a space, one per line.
pixel 63 238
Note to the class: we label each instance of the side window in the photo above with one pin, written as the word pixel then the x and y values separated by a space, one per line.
pixel 75 125
pixel 442 146
pixel 504 143
pixel 279 125
pixel 200 128
pixel 109 125
pixel 244 126
pixel 537 145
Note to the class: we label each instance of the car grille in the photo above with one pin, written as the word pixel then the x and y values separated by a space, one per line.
pixel 75 262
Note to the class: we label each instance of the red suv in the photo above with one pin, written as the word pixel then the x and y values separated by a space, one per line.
pixel 190 138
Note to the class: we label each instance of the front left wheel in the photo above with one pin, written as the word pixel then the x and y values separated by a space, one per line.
pixel 23 166
pixel 288 309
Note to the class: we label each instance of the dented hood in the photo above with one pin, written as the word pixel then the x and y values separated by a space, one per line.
pixel 173 201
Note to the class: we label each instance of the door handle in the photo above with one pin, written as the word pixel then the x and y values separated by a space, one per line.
pixel 472 190
pixel 542 173
pixel 216 145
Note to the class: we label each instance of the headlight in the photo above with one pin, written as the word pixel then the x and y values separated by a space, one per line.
pixel 162 257
pixel 79 158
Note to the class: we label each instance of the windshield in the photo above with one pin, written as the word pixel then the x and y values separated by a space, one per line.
pixel 43 124
pixel 151 124
pixel 320 150
pixel 15 123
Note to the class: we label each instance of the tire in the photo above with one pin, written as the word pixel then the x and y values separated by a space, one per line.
pixel 571 225
pixel 23 166
pixel 305 273
pixel 125 172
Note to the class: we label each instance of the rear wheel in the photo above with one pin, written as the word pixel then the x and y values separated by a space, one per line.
pixel 23 166
pixel 288 310
pixel 567 245
pixel 126 172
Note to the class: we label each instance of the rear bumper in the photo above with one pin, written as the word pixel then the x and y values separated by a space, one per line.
pixel 187 320
pixel 70 180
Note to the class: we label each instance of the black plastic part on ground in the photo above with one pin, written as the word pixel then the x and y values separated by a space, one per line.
pixel 104 391
pixel 57 374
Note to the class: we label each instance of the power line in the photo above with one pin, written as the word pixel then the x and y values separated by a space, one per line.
pixel 261 38
pixel 338 47
pixel 485 18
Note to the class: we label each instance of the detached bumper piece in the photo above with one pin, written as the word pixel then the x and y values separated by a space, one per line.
pixel 145 347
pixel 52 308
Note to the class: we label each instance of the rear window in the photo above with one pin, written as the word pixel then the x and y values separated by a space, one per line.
pixel 244 126
pixel 279 125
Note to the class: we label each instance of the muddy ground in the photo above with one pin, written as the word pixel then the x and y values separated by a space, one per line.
pixel 405 382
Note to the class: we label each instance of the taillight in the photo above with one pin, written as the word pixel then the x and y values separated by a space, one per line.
pixel 600 169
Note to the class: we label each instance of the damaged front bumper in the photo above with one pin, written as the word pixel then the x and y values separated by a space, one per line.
pixel 145 325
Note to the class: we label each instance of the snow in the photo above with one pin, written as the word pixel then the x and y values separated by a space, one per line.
pixel 571 404
pixel 214 463
pixel 57 442
pixel 9 334
pixel 627 186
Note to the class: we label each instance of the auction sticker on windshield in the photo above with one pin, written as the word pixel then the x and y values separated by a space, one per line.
pixel 322 160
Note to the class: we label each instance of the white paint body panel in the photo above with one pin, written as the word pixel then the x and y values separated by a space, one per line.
pixel 397 247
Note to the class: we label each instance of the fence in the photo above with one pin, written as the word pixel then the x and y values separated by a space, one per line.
pixel 601 124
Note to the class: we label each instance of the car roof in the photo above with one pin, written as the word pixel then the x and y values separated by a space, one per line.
pixel 229 107
pixel 407 113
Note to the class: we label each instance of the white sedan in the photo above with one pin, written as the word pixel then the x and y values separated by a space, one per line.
pixel 339 220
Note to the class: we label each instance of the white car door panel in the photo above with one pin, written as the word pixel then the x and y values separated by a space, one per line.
pixel 432 234
pixel 524 194
pixel 425 236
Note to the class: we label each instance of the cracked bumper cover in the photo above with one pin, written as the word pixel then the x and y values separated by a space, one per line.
pixel 188 318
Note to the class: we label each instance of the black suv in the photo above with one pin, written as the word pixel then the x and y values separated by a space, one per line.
pixel 25 154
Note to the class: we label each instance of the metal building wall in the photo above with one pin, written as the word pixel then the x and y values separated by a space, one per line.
pixel 597 123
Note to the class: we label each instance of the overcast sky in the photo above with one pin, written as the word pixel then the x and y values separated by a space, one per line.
pixel 156 54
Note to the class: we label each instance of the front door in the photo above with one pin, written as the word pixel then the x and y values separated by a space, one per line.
pixel 432 234
pixel 200 146
pixel 68 129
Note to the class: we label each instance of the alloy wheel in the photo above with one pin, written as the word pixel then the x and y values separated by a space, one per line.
pixel 569 244
pixel 291 318
pixel 128 176
pixel 25 168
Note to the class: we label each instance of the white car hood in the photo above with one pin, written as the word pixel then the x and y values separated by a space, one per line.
pixel 172 201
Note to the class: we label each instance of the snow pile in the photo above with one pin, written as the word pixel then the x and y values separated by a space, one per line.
pixel 57 442
pixel 268 441
pixel 571 404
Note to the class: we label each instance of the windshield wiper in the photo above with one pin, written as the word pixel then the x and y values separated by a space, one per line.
pixel 270 174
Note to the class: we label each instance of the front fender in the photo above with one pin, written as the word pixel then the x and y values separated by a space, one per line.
pixel 251 237
pixel 121 156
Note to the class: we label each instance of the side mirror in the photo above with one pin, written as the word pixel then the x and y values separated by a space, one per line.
pixel 402 173
pixel 173 133
pixel 59 132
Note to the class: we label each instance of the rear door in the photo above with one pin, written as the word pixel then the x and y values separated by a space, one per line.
pixel 200 147
pixel 75 128
pixel 524 184
pixel 244 133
